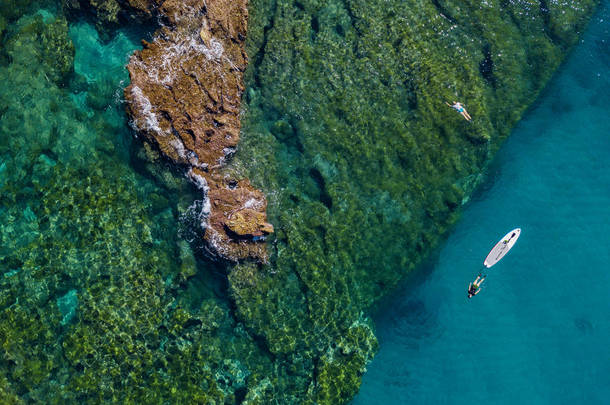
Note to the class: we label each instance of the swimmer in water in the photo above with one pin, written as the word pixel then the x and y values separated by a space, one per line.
pixel 475 287
pixel 457 106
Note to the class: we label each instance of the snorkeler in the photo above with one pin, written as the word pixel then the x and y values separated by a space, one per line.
pixel 475 287
pixel 460 108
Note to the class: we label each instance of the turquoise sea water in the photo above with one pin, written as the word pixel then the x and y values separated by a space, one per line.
pixel 538 332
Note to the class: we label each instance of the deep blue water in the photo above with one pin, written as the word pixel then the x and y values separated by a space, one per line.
pixel 539 330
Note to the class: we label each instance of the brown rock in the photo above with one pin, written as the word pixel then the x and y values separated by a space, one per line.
pixel 185 97
pixel 248 223
pixel 205 33
pixel 144 6
pixel 228 198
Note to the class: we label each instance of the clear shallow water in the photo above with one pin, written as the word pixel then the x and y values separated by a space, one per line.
pixel 91 252
pixel 538 332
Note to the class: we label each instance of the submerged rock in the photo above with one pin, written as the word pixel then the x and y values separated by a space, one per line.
pixel 67 305
pixel 347 124
pixel 88 242
pixel 185 98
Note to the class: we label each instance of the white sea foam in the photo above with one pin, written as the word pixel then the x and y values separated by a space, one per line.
pixel 205 206
pixel 151 123
pixel 178 147
pixel 199 180
pixel 195 219
pixel 179 54
pixel 253 203
pixel 215 241
pixel 198 212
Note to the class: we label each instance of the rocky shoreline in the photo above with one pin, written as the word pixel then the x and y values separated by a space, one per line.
pixel 185 97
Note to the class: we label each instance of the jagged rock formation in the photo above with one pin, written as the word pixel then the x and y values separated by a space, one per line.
pixel 185 97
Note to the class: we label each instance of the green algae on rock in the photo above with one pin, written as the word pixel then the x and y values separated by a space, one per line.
pixel 345 125
pixel 93 274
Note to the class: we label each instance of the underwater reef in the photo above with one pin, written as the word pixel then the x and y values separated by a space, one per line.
pixel 104 295
pixel 95 306
pixel 366 168
pixel 185 98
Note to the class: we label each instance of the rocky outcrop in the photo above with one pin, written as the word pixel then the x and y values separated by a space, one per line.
pixel 185 98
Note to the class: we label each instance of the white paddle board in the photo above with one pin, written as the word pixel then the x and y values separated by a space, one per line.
pixel 502 247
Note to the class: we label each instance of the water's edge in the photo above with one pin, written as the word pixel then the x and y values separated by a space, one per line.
pixel 529 334
pixel 345 121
